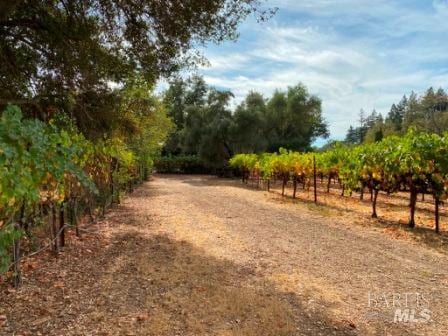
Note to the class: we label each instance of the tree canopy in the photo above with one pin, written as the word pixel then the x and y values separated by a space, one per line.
pixel 428 113
pixel 66 53
pixel 206 125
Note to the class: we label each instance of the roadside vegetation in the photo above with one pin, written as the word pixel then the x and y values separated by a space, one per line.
pixel 80 122
pixel 416 163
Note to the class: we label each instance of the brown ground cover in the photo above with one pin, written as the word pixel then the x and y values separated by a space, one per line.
pixel 198 255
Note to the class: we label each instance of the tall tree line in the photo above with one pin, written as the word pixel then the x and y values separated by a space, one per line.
pixel 427 112
pixel 63 55
pixel 206 125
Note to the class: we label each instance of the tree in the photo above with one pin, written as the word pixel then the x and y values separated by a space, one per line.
pixel 249 124
pixel 375 133
pixel 144 125
pixel 428 113
pixel 401 111
pixel 291 119
pixel 65 53
pixel 434 110
pixel 295 119
pixel 215 144
pixel 394 117
pixel 207 129
pixel 276 111
pixel 183 100
pixel 412 114
pixel 352 136
pixel 174 101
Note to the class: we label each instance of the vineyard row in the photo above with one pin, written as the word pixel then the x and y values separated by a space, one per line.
pixel 416 163
pixel 50 177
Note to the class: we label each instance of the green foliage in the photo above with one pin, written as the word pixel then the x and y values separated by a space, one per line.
pixel 202 119
pixel 64 54
pixel 244 161
pixel 36 158
pixel 7 236
pixel 426 113
pixel 36 161
pixel 50 163
pixel 83 73
pixel 183 164
pixel 294 119
pixel 417 159
pixel 205 126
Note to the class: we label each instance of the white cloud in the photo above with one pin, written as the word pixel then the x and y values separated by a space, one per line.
pixel 227 61
pixel 352 53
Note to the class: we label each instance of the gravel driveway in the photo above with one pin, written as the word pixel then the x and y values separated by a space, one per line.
pixel 199 255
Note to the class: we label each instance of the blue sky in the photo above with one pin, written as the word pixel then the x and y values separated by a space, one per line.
pixel 353 54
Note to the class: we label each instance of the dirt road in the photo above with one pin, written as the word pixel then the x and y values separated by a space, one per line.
pixel 197 255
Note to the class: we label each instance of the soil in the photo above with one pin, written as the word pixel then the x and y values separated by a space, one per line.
pixel 199 255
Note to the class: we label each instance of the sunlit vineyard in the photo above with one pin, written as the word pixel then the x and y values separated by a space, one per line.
pixel 416 163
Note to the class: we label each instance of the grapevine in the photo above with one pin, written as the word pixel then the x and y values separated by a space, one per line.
pixel 49 172
pixel 415 163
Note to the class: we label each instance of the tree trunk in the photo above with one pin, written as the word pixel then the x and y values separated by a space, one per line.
pixel 53 219
pixel 375 196
pixel 361 193
pixel 343 189
pixel 328 183
pixel 269 184
pixel 294 188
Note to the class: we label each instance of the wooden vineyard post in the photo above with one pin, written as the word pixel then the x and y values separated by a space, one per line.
pixel 412 202
pixel 284 181
pixel 437 216
pixel 375 196
pixel 314 179
pixel 294 183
